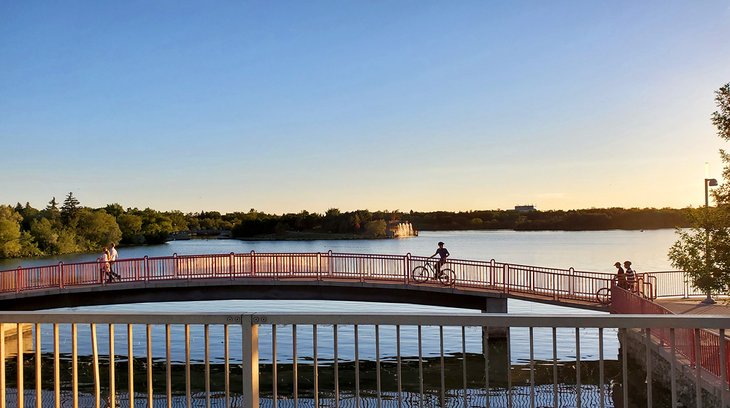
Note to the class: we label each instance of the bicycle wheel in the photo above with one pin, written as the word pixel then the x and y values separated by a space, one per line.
pixel 604 296
pixel 420 274
pixel 447 276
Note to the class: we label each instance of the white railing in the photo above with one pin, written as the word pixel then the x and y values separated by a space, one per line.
pixel 252 360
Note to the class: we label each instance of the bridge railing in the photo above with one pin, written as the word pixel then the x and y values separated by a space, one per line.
pixel 343 359
pixel 547 283
pixel 702 348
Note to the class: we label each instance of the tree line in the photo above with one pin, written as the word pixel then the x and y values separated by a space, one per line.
pixel 70 227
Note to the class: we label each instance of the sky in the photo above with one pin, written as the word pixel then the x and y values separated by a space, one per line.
pixel 398 105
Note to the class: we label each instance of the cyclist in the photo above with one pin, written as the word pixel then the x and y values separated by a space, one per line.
pixel 443 253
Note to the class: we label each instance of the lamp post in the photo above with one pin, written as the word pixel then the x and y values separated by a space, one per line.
pixel 708 183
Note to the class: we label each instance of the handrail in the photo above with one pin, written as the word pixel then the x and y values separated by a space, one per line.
pixel 203 373
pixel 553 283
pixel 475 275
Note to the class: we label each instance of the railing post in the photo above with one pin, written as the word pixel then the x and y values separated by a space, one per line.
pixel 18 274
pixel 505 278
pixel 253 263
pixel 250 359
pixel 231 260
pixel 60 275
pixel 406 262
pixel 571 281
pixel 174 265
pixel 146 269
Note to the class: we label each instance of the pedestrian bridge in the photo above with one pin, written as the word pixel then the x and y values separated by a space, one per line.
pixel 483 285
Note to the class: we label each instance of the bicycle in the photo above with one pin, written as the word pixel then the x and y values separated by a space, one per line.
pixel 421 274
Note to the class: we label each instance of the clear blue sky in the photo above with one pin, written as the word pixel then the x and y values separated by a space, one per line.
pixel 423 105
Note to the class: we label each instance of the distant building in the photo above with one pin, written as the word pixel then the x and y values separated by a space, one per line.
pixel 525 208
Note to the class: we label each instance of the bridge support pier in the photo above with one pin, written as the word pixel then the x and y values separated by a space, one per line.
pixel 494 305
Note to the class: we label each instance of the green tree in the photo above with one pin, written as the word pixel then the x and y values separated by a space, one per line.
pixel 10 245
pixel 703 251
pixel 46 236
pixel 131 227
pixel 375 229
pixel 97 229
pixel 70 211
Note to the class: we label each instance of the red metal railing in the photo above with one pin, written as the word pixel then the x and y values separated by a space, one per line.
pixel 545 283
pixel 698 346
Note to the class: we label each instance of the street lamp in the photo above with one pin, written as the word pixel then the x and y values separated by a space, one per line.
pixel 708 183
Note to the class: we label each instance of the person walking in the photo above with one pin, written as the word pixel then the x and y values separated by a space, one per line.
pixel 443 253
pixel 620 276
pixel 630 276
pixel 105 274
pixel 112 259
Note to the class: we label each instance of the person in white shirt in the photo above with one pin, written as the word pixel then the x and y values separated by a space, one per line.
pixel 113 258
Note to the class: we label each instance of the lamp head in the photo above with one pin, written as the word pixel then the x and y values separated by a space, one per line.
pixel 711 182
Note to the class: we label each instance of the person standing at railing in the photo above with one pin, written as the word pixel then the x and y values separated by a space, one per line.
pixel 443 253
pixel 630 276
pixel 113 254
pixel 620 276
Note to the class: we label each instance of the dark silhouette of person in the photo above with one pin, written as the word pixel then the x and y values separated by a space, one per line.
pixel 443 253
pixel 620 276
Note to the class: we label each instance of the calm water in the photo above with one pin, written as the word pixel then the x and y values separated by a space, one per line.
pixel 588 251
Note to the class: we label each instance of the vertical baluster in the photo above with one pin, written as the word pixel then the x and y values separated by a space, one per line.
pixel 274 375
pixel 578 385
pixel 38 373
pixel 130 364
pixel 295 376
pixel 74 366
pixel 168 370
pixel 95 366
pixel 723 367
pixel 442 392
pixel 463 364
pixel 188 394
pixel 399 370
pixel 227 366
pixel 532 368
pixel 337 364
pixel 485 350
pixel 673 363
pixel 624 367
pixel 19 366
pixel 150 395
pixel 698 367
pixel 2 367
pixel 509 370
pixel 649 396
pixel 420 367
pixel 377 365
pixel 601 379
pixel 357 367
pixel 207 365
pixel 112 373
pixel 316 372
